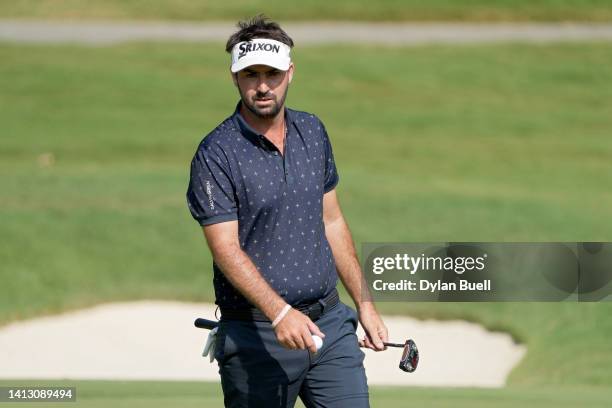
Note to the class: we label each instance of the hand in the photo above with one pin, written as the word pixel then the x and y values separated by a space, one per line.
pixel 375 329
pixel 295 331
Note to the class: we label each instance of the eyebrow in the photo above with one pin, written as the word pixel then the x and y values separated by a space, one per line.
pixel 270 71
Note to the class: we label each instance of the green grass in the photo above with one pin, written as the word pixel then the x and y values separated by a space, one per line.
pixel 481 143
pixel 102 394
pixel 385 10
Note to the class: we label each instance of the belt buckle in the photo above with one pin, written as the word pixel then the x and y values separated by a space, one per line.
pixel 323 304
pixel 315 310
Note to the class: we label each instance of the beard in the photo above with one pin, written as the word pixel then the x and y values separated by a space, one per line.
pixel 265 112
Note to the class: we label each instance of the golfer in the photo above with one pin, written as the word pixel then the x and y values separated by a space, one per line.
pixel 263 187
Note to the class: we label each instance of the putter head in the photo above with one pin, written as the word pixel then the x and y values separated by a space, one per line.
pixel 410 357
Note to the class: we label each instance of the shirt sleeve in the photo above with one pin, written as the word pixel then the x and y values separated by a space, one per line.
pixel 331 173
pixel 211 191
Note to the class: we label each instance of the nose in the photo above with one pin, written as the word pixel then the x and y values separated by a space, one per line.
pixel 262 85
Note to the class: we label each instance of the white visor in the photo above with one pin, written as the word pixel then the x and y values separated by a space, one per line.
pixel 260 51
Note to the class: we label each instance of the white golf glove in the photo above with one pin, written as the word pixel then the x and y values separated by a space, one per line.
pixel 209 347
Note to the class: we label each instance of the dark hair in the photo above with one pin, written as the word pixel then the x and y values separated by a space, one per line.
pixel 259 26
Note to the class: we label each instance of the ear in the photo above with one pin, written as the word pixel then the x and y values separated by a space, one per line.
pixel 290 71
pixel 234 78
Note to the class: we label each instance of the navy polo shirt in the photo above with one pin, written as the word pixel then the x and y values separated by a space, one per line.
pixel 238 174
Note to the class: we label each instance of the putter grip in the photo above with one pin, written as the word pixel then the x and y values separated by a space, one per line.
pixel 205 324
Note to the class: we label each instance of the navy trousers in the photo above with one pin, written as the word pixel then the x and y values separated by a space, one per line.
pixel 256 371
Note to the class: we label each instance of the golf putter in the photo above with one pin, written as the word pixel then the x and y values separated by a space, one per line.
pixel 410 355
pixel 408 362
pixel 205 324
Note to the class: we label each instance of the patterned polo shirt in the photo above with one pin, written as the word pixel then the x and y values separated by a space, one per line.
pixel 238 174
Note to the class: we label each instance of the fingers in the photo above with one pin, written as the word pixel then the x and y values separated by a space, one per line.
pixel 314 329
pixel 375 329
pixel 377 341
pixel 295 332
pixel 374 338
pixel 309 343
pixel 287 342
pixel 384 334
pixel 367 343
pixel 299 341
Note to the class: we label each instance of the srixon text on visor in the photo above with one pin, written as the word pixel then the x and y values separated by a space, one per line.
pixel 412 264
pixel 248 47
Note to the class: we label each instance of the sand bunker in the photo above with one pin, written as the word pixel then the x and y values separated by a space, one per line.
pixel 154 340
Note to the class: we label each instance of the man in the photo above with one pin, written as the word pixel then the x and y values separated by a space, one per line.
pixel 263 188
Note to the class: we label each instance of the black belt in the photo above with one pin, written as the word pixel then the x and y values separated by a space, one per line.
pixel 313 310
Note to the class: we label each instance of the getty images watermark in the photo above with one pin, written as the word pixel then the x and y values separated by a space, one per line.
pixel 470 271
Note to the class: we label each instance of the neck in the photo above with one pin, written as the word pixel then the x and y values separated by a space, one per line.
pixel 266 126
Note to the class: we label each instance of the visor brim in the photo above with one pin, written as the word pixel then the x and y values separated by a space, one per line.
pixel 248 62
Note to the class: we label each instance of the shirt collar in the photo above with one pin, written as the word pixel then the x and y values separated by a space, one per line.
pixel 251 133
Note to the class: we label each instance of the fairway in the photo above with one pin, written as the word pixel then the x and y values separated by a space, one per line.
pixel 504 143
pixel 340 10
pixel 102 394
